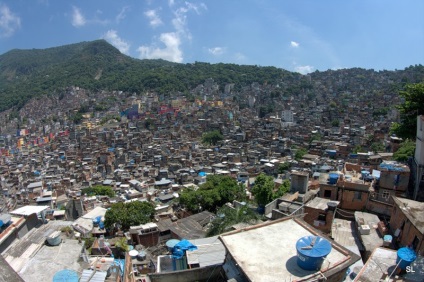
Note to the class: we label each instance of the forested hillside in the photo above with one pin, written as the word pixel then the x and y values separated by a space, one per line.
pixel 97 65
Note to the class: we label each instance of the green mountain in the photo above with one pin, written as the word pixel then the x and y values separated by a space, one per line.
pixel 97 65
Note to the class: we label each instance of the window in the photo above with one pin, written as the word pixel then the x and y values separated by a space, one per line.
pixel 327 193
pixel 358 195
pixel 415 243
pixel 385 195
pixel 322 217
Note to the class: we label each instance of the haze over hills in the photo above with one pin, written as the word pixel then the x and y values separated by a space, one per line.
pixel 97 65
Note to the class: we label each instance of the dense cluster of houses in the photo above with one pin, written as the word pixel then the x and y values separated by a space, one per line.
pixel 148 150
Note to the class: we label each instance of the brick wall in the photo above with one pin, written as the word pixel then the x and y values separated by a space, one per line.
pixel 380 208
pixel 209 273
pixel 349 199
pixel 332 188
pixel 312 215
pixel 409 231
pixel 148 239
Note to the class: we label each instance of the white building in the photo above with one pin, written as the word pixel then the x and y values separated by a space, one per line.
pixel 287 116
pixel 418 164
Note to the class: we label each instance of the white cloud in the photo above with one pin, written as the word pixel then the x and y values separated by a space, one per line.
pixel 153 17
pixel 304 69
pixel 78 19
pixel 172 41
pixel 171 3
pixel 180 20
pixel 171 52
pixel 294 44
pixel 240 57
pixel 122 14
pixel 115 40
pixel 9 22
pixel 216 51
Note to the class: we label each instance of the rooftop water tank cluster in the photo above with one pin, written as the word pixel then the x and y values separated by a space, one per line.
pixel 311 252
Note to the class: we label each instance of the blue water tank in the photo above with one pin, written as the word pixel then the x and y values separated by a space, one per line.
pixel 407 256
pixel 170 244
pixel 311 252
pixel 364 173
pixel 66 275
pixel 333 178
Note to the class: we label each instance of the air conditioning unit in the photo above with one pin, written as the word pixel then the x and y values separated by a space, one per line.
pixel 365 229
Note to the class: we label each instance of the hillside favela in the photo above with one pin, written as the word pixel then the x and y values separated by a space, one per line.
pixel 122 169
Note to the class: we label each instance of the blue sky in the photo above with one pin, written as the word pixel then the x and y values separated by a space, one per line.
pixel 296 35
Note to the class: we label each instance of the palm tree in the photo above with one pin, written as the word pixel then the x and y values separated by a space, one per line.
pixel 122 246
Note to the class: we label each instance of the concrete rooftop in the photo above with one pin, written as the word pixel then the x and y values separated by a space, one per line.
pixel 267 252
pixel 320 203
pixel 372 240
pixel 382 261
pixel 33 260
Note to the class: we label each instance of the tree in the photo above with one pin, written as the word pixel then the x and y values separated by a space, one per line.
pixel 335 123
pixel 262 189
pixel 316 137
pixel 358 148
pixel 216 192
pixel 282 189
pixel 377 147
pixel 129 214
pixel 283 167
pixel 413 106
pixel 406 150
pixel 227 216
pixel 122 244
pixel 300 153
pixel 212 137
pixel 98 190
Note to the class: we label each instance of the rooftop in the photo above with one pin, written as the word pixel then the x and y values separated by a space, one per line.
pixel 413 210
pixel 373 239
pixel 320 203
pixel 393 166
pixel 267 252
pixel 35 261
pixel 210 251
pixel 28 210
pixel 382 261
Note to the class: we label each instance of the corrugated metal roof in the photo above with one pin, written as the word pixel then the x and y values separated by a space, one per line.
pixel 208 254
pixel 99 276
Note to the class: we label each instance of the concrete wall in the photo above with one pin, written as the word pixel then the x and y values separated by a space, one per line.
pixel 299 182
pixel 270 206
pixel 210 273
pixel 17 230
pixel 387 180
pixel 419 149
